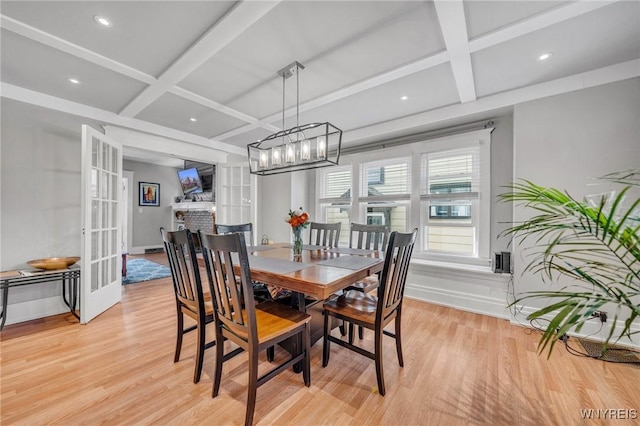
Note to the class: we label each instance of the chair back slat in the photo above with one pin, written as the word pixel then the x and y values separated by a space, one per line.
pixel 233 300
pixel 394 272
pixel 246 228
pixel 326 234
pixel 185 274
pixel 368 237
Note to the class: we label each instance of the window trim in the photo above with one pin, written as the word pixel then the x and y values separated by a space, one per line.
pixel 415 150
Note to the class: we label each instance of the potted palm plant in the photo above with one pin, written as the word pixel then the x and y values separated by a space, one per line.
pixel 596 245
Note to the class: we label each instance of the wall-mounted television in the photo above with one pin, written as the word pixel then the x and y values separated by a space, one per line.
pixel 190 181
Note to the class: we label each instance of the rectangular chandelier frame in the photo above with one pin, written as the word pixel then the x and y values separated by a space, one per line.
pixel 309 146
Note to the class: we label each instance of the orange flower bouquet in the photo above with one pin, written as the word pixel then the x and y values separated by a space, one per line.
pixel 299 220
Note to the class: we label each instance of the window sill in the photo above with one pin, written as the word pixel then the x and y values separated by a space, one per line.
pixel 452 266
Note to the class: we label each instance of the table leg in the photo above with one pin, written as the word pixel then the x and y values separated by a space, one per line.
pixel 297 299
pixel 76 282
pixel 5 296
pixel 72 283
pixel 314 309
pixel 64 293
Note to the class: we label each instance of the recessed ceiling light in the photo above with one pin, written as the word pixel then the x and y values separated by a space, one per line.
pixel 404 98
pixel 103 21
pixel 193 119
pixel 73 80
pixel 544 56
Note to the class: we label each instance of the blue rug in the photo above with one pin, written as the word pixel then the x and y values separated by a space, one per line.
pixel 139 270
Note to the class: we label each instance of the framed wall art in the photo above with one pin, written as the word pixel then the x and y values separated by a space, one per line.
pixel 149 194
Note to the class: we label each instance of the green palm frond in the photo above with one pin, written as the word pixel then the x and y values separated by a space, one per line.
pixel 597 246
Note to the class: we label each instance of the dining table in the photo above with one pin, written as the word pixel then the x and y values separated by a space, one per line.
pixel 318 274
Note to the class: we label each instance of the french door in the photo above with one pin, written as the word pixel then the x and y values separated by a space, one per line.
pixel 101 247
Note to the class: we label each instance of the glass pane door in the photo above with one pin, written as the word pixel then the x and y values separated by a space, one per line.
pixel 101 246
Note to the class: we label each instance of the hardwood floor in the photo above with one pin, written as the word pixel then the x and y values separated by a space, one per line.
pixel 460 368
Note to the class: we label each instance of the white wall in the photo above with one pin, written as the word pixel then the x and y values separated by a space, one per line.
pixel 40 186
pixel 147 220
pixel 276 195
pixel 565 141
pixel 40 162
pixel 501 175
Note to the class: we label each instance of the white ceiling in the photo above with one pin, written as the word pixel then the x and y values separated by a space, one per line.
pixel 163 62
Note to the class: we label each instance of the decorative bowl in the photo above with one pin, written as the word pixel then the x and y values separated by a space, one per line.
pixel 53 263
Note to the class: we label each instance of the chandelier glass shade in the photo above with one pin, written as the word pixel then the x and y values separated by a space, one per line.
pixel 307 146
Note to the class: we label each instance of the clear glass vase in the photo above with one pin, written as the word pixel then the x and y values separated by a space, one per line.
pixel 297 242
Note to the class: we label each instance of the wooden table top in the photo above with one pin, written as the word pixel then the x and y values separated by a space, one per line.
pixel 315 278
pixel 18 273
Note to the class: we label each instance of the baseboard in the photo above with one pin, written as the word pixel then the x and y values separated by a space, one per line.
pixel 471 290
pixel 34 309
pixel 590 330
pixel 458 300
pixel 143 249
pixel 154 250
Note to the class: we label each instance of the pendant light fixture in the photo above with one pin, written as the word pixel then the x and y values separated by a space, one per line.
pixel 309 146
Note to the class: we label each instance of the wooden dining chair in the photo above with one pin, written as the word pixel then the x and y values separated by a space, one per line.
pixel 246 228
pixel 324 234
pixel 367 237
pixel 190 298
pixel 260 290
pixel 375 312
pixel 251 327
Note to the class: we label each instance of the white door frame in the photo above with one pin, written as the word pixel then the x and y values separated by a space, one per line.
pixel 129 208
pixel 101 242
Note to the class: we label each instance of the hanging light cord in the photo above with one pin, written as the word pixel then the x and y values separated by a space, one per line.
pixel 297 101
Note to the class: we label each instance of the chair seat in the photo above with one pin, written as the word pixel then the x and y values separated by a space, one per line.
pixel 191 308
pixel 367 285
pixel 274 319
pixel 354 304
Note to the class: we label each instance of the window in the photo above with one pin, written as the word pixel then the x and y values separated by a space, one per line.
pixel 440 186
pixel 385 193
pixel 449 195
pixel 335 199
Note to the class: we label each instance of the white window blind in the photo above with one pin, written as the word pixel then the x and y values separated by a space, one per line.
pixel 385 190
pixel 387 179
pixel 450 172
pixel 335 183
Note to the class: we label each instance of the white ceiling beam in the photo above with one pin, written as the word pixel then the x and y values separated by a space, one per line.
pixel 557 15
pixel 230 26
pixel 538 22
pixel 535 23
pixel 454 30
pixel 72 49
pixel 605 75
pixel 10 91
pixel 137 142
pixel 186 94
pixel 361 86
pixel 241 130
pixel 80 52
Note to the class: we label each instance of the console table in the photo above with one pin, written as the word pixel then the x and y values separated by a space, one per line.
pixel 70 279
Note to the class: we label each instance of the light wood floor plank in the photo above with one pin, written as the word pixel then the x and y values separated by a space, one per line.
pixel 460 368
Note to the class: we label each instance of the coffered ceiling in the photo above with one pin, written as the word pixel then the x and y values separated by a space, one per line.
pixel 206 72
